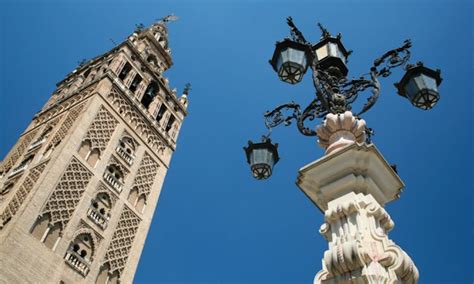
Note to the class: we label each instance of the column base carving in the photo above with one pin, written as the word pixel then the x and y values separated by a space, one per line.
pixel 356 227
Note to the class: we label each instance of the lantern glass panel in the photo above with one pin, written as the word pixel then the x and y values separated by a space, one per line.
pixel 322 52
pixel 261 162
pixel 261 156
pixel 420 82
pixel 291 65
pixel 335 51
pixel 422 90
pixel 411 88
pixel 426 82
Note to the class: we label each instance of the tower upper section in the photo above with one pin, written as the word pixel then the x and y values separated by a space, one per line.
pixel 136 68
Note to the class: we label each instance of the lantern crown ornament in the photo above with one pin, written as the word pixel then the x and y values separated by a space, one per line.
pixel 335 93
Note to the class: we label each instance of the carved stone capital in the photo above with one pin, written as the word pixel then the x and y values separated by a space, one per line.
pixel 339 130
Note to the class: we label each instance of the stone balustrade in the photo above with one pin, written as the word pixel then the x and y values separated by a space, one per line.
pixel 37 143
pixel 18 170
pixel 77 262
pixel 113 181
pixel 97 217
pixel 129 158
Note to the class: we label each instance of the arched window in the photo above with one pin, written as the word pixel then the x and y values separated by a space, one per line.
pixel 88 154
pixel 137 200
pixel 42 138
pixel 114 177
pixel 106 277
pixel 40 228
pixel 86 74
pixel 125 70
pixel 103 277
pixel 47 233
pixel 150 92
pixel 50 150
pixel 85 149
pixel 161 112
pixel 80 252
pixel 99 211
pixel 94 156
pixel 141 203
pixel 53 236
pixel 6 189
pixel 161 39
pixel 170 122
pixel 23 165
pixel 133 196
pixel 136 81
pixel 152 59
pixel 126 149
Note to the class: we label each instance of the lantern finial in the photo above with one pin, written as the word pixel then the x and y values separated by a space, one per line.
pixel 324 32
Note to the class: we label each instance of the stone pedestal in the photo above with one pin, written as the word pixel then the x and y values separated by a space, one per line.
pixel 351 184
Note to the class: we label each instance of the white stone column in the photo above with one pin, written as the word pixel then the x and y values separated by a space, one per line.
pixel 351 184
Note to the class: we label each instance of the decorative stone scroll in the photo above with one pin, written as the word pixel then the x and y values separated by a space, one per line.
pixel 21 194
pixel 122 241
pixel 67 194
pixel 360 251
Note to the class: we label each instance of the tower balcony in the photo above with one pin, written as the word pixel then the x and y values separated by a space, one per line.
pixel 113 182
pixel 77 262
pixel 97 217
pixel 18 170
pixel 37 143
pixel 128 157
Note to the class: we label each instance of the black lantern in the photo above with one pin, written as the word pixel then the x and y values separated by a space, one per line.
pixel 262 157
pixel 290 60
pixel 420 85
pixel 331 55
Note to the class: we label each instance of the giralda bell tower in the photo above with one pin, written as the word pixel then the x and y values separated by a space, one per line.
pixel 79 188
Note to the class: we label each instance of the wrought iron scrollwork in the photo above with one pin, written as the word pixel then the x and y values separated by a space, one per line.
pixel 296 34
pixel 335 93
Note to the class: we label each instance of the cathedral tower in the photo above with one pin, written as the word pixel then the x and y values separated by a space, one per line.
pixel 79 188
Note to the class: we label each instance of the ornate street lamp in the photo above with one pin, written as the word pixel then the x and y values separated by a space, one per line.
pixel 262 157
pixel 420 85
pixel 334 92
pixel 331 55
pixel 352 183
pixel 290 60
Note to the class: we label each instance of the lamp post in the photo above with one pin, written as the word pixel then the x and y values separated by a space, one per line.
pixel 352 182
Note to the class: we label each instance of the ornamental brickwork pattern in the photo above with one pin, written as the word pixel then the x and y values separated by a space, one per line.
pixel 67 194
pixel 66 125
pixel 136 121
pixel 101 129
pixel 18 151
pixel 122 241
pixel 145 175
pixel 21 194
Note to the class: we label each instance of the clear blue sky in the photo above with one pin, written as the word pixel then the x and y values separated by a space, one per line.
pixel 214 222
